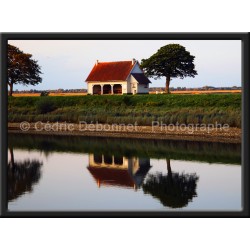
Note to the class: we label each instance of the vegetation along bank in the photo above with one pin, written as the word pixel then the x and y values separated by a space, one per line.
pixel 129 109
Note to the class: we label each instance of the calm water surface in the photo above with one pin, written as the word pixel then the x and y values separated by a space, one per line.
pixel 47 173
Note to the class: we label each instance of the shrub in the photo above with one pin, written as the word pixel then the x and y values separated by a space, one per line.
pixel 44 93
pixel 45 105
pixel 127 100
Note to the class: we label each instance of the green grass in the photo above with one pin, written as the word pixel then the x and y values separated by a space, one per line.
pixel 143 109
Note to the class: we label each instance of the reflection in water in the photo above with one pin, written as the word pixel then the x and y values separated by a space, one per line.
pixel 22 175
pixel 112 170
pixel 173 190
pixel 85 173
pixel 211 152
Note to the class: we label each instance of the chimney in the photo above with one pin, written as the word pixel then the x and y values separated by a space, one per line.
pixel 133 61
pixel 97 61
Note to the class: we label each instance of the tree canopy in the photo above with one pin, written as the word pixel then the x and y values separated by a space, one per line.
pixel 170 61
pixel 22 69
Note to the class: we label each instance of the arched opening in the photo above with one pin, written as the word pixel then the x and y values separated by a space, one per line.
pixel 108 159
pixel 118 160
pixel 117 89
pixel 107 89
pixel 96 89
pixel 98 159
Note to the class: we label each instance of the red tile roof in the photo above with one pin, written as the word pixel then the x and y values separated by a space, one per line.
pixel 111 177
pixel 110 71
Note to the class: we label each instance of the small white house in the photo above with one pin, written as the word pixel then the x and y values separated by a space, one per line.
pixel 123 77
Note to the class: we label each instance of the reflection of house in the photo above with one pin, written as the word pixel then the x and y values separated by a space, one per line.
pixel 110 170
pixel 122 77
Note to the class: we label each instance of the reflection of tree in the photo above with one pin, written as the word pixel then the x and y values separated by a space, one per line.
pixel 22 176
pixel 173 190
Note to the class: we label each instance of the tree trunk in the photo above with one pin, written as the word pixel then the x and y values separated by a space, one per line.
pixel 169 167
pixel 167 84
pixel 12 161
pixel 11 89
pixel 170 176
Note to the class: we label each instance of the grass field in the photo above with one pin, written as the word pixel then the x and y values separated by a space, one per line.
pixel 198 92
pixel 50 94
pixel 143 109
pixel 173 92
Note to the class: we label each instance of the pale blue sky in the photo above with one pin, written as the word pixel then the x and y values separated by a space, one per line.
pixel 67 63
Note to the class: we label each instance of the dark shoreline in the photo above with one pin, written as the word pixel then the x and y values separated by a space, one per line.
pixel 231 135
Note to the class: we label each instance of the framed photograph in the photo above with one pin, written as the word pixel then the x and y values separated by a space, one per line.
pixel 125 125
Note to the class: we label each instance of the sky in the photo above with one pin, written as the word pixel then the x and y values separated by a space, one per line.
pixel 65 64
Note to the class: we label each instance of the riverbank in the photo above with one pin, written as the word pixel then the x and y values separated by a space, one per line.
pixel 223 134
pixel 129 109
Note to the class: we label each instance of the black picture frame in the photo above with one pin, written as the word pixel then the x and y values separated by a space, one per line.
pixel 244 37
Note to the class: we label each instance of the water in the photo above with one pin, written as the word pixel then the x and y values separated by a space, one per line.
pixel 58 173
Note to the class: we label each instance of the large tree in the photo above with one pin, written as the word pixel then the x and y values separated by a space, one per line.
pixel 22 69
pixel 170 61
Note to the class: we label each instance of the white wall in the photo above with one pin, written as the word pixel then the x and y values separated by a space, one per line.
pixel 90 88
pixel 141 88
pixel 133 82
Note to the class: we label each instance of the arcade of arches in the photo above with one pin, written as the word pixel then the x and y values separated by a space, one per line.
pixel 107 89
